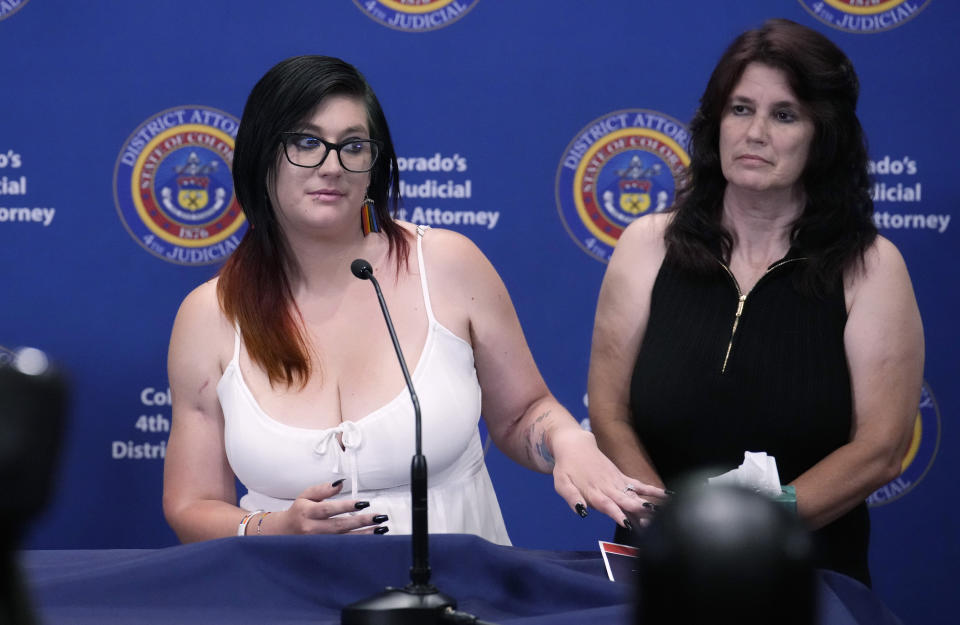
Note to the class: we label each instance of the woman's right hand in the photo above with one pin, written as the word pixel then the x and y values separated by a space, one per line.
pixel 312 512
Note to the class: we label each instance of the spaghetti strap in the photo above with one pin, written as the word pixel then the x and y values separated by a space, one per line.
pixel 423 273
pixel 236 343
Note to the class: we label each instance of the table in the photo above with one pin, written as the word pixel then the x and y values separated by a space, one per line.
pixel 308 579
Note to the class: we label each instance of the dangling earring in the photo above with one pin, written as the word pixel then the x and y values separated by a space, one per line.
pixel 368 217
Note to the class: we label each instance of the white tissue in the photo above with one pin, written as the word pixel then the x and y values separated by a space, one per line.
pixel 758 473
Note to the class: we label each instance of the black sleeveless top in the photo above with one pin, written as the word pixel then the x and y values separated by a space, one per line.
pixel 702 392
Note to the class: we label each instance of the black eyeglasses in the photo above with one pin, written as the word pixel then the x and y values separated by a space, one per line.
pixel 303 150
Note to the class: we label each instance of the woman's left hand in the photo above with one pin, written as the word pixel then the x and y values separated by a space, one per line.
pixel 586 478
pixel 523 418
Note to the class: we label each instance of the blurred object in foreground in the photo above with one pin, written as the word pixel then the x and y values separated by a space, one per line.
pixel 723 554
pixel 33 402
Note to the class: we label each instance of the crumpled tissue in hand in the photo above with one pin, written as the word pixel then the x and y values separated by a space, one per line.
pixel 758 473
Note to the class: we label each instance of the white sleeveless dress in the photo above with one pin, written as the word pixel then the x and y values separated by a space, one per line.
pixel 276 462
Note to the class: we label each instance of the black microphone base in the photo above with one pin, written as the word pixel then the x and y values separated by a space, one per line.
pixel 413 605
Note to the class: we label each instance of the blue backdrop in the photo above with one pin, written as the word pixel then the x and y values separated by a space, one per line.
pixel 514 122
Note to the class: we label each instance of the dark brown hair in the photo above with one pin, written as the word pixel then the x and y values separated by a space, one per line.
pixel 836 226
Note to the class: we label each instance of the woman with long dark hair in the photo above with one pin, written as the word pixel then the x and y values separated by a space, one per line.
pixel 764 313
pixel 283 374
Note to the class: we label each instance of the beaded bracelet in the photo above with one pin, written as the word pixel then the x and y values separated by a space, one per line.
pixel 263 515
pixel 242 529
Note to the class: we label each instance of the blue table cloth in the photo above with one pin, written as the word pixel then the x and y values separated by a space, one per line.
pixel 308 579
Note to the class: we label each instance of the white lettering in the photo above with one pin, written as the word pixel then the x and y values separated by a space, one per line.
pixel 152 423
pixel 937 222
pixel 128 450
pixel 897 193
pixel 428 20
pixel 889 491
pixel 10 159
pixel 436 189
pixel 437 216
pixel 437 162
pixel 152 397
pixel 30 215
pixel 893 166
pixel 13 186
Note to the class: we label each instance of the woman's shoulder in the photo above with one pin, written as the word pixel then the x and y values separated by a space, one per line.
pixel 643 239
pixel 879 259
pixel 881 270
pixel 202 338
pixel 882 253
pixel 651 226
pixel 458 271
pixel 200 311
pixel 202 298
pixel 446 248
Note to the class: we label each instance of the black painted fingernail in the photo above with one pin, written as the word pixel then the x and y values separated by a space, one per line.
pixel 669 492
pixel 581 510
pixel 627 524
pixel 338 482
pixel 380 518
pixel 383 529
pixel 650 506
pixel 360 505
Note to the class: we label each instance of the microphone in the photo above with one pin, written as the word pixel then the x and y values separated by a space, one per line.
pixel 364 271
pixel 419 602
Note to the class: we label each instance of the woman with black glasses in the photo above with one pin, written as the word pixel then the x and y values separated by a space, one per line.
pixel 282 371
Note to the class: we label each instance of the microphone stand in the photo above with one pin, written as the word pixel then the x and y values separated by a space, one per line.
pixel 419 602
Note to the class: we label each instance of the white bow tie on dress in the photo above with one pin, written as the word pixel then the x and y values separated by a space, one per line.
pixel 351 438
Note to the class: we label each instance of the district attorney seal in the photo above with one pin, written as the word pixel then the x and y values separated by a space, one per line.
pixel 173 187
pixel 619 167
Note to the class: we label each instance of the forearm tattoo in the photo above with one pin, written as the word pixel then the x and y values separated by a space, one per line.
pixel 541 437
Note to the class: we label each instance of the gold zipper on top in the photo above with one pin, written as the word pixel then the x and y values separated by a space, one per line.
pixel 742 300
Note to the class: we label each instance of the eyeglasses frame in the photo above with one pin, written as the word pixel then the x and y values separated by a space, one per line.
pixel 336 147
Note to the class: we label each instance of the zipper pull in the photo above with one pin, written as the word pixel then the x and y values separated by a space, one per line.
pixel 736 321
pixel 743 300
